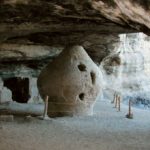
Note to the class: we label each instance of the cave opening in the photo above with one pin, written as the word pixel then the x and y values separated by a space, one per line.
pixel 19 88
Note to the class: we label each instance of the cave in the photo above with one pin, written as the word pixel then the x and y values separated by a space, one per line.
pixel 19 88
pixel 75 74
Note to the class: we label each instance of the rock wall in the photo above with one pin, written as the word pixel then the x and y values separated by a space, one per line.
pixel 98 47
pixel 8 94
pixel 5 93
pixel 127 70
pixel 34 93
pixel 24 61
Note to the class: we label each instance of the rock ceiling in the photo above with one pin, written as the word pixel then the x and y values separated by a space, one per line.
pixel 67 22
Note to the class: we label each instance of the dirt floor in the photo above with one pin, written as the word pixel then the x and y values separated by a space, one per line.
pixel 106 130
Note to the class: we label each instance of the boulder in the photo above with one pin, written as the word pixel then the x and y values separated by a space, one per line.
pixel 72 81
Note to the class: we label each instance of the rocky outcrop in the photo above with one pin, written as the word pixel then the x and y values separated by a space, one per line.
pixel 134 13
pixel 98 47
pixel 68 20
pixel 59 20
pixel 25 60
pixel 23 17
pixel 29 54
pixel 67 23
pixel 58 24
pixel 125 71
pixel 72 81
pixel 21 52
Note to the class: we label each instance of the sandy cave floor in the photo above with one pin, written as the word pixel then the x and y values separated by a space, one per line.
pixel 106 130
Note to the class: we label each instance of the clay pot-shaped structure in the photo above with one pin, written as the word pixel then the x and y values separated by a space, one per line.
pixel 72 81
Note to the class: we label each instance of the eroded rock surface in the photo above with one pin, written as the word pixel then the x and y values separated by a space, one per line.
pixel 5 93
pixel 126 71
pixel 72 81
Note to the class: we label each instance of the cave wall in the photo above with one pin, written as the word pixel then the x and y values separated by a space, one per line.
pixel 22 89
pixel 126 71
pixel 34 92
pixel 98 47
pixel 5 93
pixel 22 60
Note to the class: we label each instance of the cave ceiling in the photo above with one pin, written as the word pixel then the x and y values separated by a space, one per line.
pixel 59 23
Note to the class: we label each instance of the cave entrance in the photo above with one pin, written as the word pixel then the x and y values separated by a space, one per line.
pixel 19 88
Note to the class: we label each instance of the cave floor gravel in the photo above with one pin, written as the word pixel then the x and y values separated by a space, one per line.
pixel 107 129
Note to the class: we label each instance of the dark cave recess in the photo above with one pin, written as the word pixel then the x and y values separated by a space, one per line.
pixel 19 88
